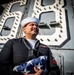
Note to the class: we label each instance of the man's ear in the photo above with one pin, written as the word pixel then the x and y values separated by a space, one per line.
pixel 24 29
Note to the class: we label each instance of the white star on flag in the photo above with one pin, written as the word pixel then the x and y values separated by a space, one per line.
pixel 29 62
pixel 39 66
pixel 25 71
pixel 42 57
pixel 15 69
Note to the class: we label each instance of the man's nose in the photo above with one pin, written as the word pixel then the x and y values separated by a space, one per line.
pixel 35 25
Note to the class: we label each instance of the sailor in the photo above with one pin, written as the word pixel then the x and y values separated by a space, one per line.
pixel 20 50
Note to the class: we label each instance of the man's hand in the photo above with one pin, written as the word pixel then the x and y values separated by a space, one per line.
pixel 38 72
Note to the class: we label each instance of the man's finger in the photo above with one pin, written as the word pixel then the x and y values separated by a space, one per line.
pixel 40 71
pixel 28 74
pixel 36 70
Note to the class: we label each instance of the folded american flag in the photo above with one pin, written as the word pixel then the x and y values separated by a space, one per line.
pixel 28 67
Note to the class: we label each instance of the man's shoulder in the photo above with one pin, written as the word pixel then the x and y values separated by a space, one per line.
pixel 43 46
pixel 15 40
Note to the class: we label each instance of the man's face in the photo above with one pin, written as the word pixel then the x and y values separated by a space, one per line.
pixel 31 29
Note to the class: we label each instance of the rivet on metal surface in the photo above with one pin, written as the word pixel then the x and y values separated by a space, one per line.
pixel 49 7
pixel 61 31
pixel 60 36
pixel 41 39
pixel 12 35
pixel 56 40
pixel 48 39
pixel 44 8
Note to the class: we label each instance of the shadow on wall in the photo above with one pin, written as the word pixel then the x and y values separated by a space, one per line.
pixel 3 2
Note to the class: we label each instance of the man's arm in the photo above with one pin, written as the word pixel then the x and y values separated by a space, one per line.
pixel 6 59
pixel 5 56
pixel 52 66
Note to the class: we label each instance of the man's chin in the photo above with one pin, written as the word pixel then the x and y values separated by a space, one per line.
pixel 35 34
